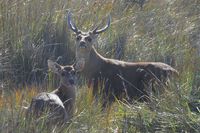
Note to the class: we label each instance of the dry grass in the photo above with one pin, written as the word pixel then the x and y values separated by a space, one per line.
pixel 32 31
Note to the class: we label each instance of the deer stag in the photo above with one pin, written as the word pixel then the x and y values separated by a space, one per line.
pixel 130 79
pixel 58 104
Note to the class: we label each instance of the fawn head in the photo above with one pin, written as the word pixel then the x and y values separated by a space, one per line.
pixel 66 73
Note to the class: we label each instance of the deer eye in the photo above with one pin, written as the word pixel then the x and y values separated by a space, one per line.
pixel 78 38
pixel 89 39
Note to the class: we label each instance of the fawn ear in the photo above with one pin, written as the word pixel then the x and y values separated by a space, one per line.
pixel 54 67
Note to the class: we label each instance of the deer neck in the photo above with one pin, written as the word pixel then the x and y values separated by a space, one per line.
pixel 93 64
pixel 65 94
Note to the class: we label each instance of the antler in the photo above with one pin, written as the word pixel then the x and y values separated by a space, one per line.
pixel 71 25
pixel 96 31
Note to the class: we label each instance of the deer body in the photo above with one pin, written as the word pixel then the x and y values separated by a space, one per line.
pixel 67 96
pixel 119 77
pixel 58 104
pixel 48 103
pixel 116 78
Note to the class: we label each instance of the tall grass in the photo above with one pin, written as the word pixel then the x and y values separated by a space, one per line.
pixel 168 113
pixel 32 31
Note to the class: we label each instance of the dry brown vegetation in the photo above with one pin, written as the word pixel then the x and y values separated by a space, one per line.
pixel 32 31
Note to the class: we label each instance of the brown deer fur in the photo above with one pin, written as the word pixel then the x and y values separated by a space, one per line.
pixel 116 78
pixel 59 103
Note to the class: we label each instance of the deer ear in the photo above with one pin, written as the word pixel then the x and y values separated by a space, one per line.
pixel 93 35
pixel 53 66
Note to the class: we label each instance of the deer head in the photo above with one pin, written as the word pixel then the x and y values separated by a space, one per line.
pixel 85 40
pixel 66 73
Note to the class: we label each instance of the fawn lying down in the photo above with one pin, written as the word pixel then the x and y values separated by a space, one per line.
pixel 58 105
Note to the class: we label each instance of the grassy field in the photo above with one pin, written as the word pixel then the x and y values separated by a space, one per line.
pixel 32 31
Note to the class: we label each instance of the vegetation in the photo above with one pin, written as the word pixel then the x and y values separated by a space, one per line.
pixel 32 31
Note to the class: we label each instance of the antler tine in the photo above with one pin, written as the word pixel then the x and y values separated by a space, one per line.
pixel 71 25
pixel 96 31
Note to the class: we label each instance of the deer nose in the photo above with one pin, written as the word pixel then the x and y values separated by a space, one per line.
pixel 82 44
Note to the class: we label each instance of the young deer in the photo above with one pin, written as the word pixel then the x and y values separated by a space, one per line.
pixel 130 79
pixel 58 104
